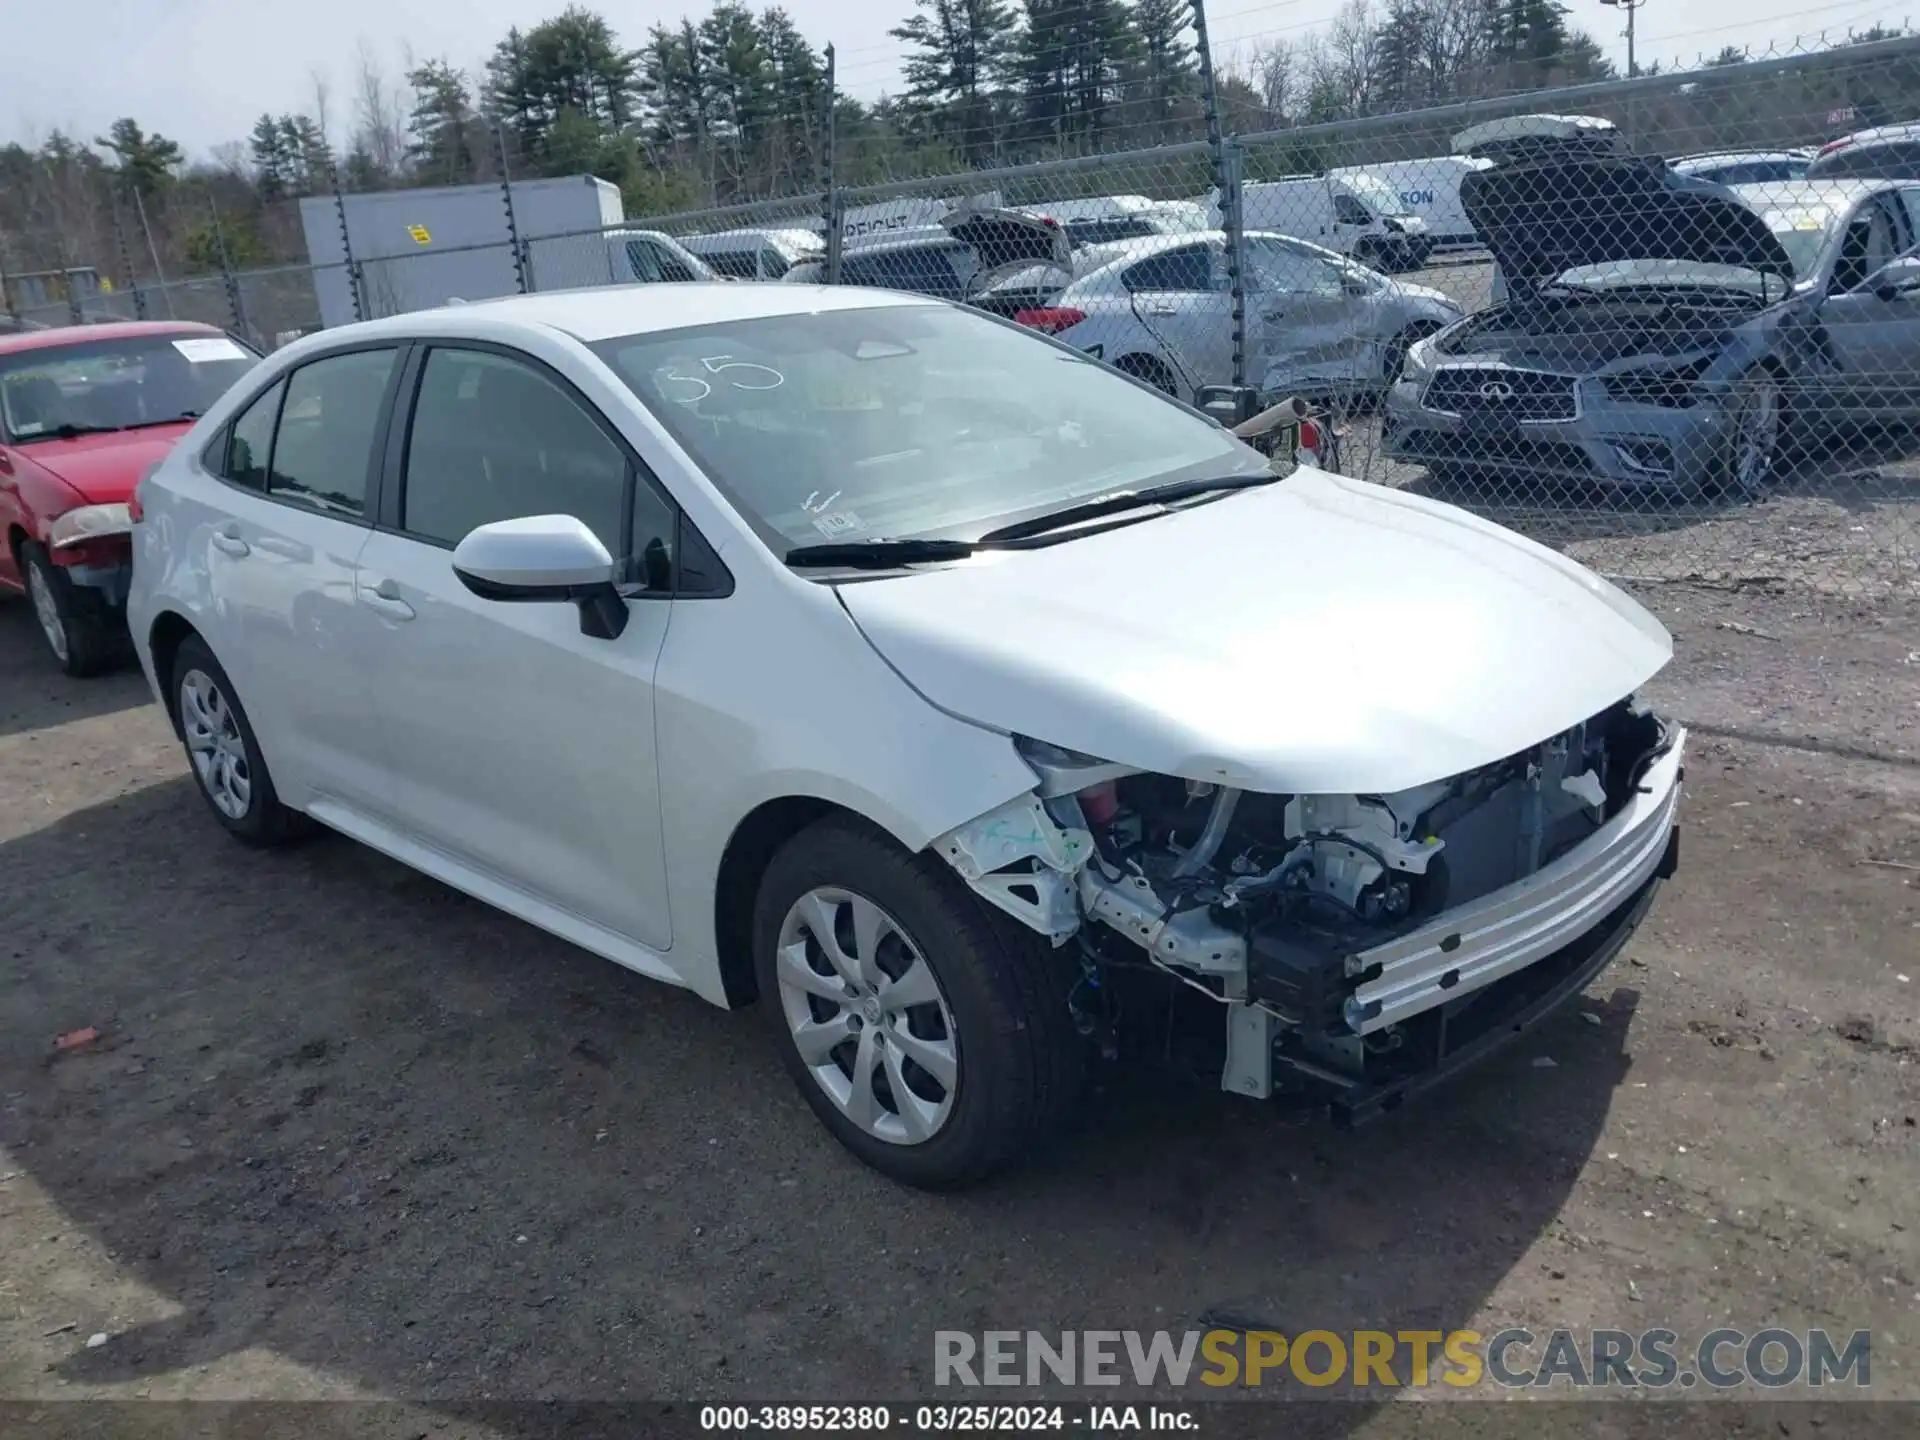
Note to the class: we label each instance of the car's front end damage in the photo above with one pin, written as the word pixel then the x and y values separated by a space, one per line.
pixel 1360 947
pixel 1644 310
pixel 1363 768
pixel 94 545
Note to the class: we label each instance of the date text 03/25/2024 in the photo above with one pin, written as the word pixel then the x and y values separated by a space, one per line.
pixel 938 1419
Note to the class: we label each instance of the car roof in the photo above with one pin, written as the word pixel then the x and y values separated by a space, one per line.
pixel 919 236
pixel 1728 157
pixel 14 343
pixel 1768 195
pixel 604 311
pixel 1880 134
pixel 790 234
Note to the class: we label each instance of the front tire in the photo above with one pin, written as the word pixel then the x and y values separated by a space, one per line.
pixel 222 751
pixel 929 1034
pixel 1753 414
pixel 82 632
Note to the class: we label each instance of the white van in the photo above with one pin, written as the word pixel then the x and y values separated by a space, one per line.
pixel 1430 190
pixel 888 217
pixel 1355 214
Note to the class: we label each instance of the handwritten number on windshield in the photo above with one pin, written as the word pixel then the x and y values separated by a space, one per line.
pixel 738 374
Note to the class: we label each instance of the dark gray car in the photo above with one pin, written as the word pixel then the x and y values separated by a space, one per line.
pixel 1658 328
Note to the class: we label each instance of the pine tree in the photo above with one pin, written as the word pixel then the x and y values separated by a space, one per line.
pixel 959 49
pixel 1166 68
pixel 143 162
pixel 272 164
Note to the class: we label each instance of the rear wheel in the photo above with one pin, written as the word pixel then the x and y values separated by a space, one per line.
pixel 82 631
pixel 225 755
pixel 1151 369
pixel 930 1034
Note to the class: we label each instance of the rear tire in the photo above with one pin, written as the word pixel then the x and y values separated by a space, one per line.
pixel 1151 370
pixel 223 753
pixel 918 969
pixel 84 634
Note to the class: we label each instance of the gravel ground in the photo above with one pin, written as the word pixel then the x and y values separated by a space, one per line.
pixel 347 1133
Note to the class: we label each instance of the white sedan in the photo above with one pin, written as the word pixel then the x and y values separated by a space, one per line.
pixel 1159 308
pixel 914 674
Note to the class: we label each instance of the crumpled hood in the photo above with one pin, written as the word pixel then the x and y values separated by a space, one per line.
pixel 1544 217
pixel 105 468
pixel 1321 635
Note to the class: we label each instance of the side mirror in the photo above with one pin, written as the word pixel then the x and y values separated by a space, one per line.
pixel 1897 279
pixel 544 558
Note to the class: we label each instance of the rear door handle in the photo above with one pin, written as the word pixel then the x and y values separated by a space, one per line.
pixel 228 542
pixel 383 598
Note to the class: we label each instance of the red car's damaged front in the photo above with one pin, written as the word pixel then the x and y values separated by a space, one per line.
pixel 84 414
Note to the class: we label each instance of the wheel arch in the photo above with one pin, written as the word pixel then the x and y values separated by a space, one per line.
pixel 169 631
pixel 1147 366
pixel 749 850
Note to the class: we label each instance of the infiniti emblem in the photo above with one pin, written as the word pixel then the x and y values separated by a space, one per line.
pixel 1496 390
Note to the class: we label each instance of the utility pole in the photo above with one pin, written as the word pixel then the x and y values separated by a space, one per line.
pixel 1629 6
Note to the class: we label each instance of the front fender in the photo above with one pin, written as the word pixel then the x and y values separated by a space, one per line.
pixel 40 498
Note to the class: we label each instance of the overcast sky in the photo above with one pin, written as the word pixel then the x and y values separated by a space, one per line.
pixel 200 71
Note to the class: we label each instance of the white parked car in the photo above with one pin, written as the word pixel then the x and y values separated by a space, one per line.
pixel 1159 308
pixel 917 675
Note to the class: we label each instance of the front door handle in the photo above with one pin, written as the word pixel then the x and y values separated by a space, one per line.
pixel 228 542
pixel 1160 308
pixel 383 598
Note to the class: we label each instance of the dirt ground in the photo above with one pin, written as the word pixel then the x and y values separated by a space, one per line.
pixel 350 1134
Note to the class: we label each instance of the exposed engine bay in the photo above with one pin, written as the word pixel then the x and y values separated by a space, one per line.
pixel 1606 326
pixel 1308 916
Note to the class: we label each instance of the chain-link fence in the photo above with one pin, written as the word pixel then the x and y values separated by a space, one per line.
pixel 1672 322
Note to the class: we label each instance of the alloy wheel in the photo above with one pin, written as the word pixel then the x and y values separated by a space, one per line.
pixel 214 742
pixel 46 609
pixel 867 1015
pixel 1755 416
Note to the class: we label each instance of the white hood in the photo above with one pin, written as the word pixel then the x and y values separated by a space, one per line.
pixel 1321 635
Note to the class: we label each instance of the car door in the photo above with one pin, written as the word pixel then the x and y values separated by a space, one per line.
pixel 1873 340
pixel 1305 329
pixel 1180 296
pixel 518 746
pixel 292 512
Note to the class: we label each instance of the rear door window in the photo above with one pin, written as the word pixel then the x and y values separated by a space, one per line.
pixel 323 448
pixel 249 443
pixel 1189 268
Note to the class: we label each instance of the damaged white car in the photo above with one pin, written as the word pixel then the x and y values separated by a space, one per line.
pixel 918 676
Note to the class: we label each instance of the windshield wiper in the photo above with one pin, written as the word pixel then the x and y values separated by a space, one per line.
pixel 184 415
pixel 880 554
pixel 1126 500
pixel 68 430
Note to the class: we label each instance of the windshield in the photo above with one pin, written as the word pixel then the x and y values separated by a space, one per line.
pixel 115 384
pixel 1802 231
pixel 908 421
pixel 1381 197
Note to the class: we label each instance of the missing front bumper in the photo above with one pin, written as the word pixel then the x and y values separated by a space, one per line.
pixel 1456 1036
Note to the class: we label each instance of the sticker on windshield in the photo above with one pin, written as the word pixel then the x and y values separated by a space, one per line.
pixel 834 523
pixel 207 351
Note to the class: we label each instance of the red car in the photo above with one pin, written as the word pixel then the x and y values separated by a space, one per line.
pixel 84 413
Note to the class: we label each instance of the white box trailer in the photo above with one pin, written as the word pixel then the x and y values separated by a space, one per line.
pixel 421 248
pixel 1429 189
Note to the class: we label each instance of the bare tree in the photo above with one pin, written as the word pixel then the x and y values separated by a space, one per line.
pixel 322 103
pixel 379 113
